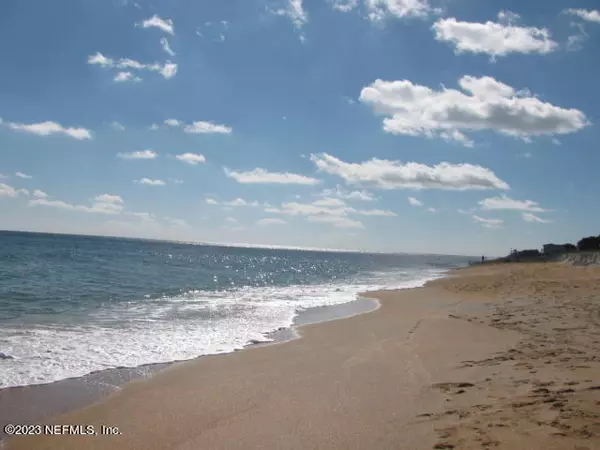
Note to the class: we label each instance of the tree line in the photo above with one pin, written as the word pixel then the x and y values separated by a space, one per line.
pixel 588 244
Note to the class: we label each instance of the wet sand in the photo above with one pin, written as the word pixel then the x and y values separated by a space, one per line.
pixel 503 356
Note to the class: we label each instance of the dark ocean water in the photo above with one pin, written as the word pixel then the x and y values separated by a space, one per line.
pixel 70 305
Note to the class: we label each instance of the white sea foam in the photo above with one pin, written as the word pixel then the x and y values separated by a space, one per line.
pixel 169 329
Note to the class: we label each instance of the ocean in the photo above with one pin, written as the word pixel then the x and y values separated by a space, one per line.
pixel 73 305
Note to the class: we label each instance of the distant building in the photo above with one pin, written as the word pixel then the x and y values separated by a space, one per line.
pixel 553 249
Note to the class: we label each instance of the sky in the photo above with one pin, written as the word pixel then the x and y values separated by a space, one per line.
pixel 420 126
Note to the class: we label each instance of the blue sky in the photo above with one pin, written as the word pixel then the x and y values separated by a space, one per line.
pixel 438 126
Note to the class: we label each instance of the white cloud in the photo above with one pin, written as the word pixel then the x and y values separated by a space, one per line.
pixel 262 176
pixel 345 5
pixel 168 70
pixel 529 217
pixel 173 123
pixel 47 128
pixel 489 223
pixel 151 182
pixel 191 158
pixel 328 201
pixel 107 198
pixel 39 194
pixel 123 77
pixel 295 12
pixel 154 127
pixel 589 15
pixel 381 9
pixel 270 221
pixel 485 104
pixel 164 42
pixel 384 174
pixel 100 60
pixel 165 25
pixel 142 154
pixel 494 39
pixel 348 195
pixel 206 127
pixel 432 210
pixel 7 191
pixel 377 212
pixel 24 176
pixel 231 220
pixel 99 207
pixel 117 126
pixel 414 202
pixel 309 209
pixel 338 222
pixel 211 201
pixel 241 202
pixel 505 202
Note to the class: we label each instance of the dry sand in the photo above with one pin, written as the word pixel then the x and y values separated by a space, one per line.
pixel 499 356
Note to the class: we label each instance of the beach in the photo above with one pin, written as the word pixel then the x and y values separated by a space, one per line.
pixel 495 356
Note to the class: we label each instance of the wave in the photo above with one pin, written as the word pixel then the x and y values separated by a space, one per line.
pixel 173 328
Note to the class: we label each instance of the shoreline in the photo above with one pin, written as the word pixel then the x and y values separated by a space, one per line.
pixel 488 357
pixel 42 402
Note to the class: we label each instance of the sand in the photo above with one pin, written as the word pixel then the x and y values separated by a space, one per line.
pixel 498 356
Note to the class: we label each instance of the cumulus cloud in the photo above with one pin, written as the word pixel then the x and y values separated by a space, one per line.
pixel 488 223
pixel 589 15
pixel 123 77
pixel 107 198
pixel 167 70
pixel 22 175
pixel 384 174
pixel 505 202
pixel 348 195
pixel 173 123
pixel 211 201
pixel 414 202
pixel 295 12
pixel 155 21
pixel 47 128
pixel 377 212
pixel 345 5
pixel 7 191
pixel 142 154
pixel 492 38
pixel 150 182
pixel 381 9
pixel 529 217
pixel 206 127
pixel 191 158
pixel 483 104
pixel 262 176
pixel 39 194
pixel 270 221
pixel 103 204
pixel 310 209
pixel 241 202
pixel 164 42
pixel 329 201
pixel 100 60
pixel 338 222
